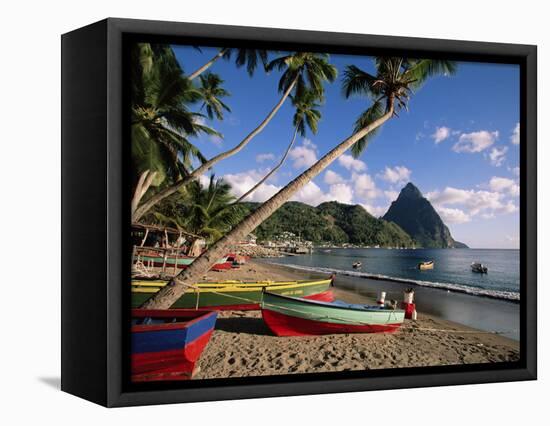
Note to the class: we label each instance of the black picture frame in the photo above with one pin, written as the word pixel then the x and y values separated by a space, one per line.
pixel 95 219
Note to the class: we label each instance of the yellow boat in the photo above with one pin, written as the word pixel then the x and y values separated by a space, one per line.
pixel 426 265
pixel 233 294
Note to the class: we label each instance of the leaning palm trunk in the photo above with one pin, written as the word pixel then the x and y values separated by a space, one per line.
pixel 207 65
pixel 161 195
pixel 168 295
pixel 273 170
pixel 144 183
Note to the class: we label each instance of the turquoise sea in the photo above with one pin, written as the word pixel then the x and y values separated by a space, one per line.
pixel 451 272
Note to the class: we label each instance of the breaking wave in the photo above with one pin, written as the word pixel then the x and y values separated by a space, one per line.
pixel 460 288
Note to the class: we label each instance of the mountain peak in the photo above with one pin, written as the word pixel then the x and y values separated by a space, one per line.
pixel 414 213
pixel 410 191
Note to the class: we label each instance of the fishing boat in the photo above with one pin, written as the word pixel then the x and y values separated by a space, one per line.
pixel 180 262
pixel 426 265
pixel 479 268
pixel 233 295
pixel 291 316
pixel 166 344
pixel 357 265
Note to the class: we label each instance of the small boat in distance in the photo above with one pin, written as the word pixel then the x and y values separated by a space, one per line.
pixel 292 316
pixel 426 265
pixel 479 268
pixel 357 265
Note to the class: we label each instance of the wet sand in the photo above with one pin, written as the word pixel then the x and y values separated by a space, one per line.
pixel 242 345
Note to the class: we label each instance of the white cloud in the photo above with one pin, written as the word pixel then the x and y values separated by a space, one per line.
pixel 311 194
pixel 498 155
pixel 376 211
pixel 304 155
pixel 471 202
pixel 450 215
pixel 504 185
pixel 514 138
pixel 351 163
pixel 204 180
pixel 268 156
pixel 391 195
pixel 395 175
pixel 440 134
pixel 341 192
pixel 332 177
pixel 475 141
pixel 242 182
pixel 515 171
pixel 507 208
pixel 364 186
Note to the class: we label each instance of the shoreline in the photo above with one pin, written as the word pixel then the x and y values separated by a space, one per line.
pixel 242 345
pixel 473 310
pixel 508 296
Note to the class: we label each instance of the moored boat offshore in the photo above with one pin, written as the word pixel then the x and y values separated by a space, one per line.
pixel 166 344
pixel 234 295
pixel 479 268
pixel 426 265
pixel 291 316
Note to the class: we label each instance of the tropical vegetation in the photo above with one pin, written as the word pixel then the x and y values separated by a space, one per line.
pixel 386 92
pixel 207 210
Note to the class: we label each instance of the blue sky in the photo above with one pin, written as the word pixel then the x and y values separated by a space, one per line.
pixel 458 143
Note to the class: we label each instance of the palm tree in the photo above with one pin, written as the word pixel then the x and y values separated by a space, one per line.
pixel 208 211
pixel 248 57
pixel 306 115
pixel 391 86
pixel 212 212
pixel 161 120
pixel 212 92
pixel 303 71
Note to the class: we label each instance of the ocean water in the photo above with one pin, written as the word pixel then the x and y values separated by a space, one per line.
pixel 452 268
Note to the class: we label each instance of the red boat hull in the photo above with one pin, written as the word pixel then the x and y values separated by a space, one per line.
pixel 177 364
pixel 285 325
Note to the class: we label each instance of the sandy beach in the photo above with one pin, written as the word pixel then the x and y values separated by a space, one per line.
pixel 242 345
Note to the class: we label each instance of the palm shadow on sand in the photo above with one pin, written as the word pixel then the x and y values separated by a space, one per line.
pixel 243 325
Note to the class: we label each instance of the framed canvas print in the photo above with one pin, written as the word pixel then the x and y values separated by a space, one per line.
pixel 252 212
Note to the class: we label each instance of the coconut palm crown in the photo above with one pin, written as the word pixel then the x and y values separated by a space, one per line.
pixel 306 70
pixel 211 91
pixel 306 112
pixel 391 86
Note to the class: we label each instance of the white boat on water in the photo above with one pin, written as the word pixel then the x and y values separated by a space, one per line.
pixel 479 268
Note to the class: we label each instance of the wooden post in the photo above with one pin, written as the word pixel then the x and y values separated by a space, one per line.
pixel 176 263
pixel 164 262
pixel 198 295
pixel 145 237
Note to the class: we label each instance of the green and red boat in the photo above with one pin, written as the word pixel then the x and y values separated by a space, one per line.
pixel 291 316
pixel 180 262
pixel 234 295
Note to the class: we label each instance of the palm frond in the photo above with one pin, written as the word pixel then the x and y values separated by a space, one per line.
pixel 418 71
pixel 358 82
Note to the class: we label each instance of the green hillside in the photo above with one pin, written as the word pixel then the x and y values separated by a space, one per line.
pixel 333 223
